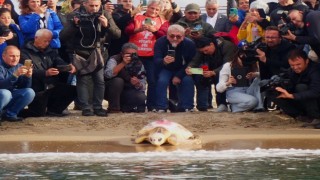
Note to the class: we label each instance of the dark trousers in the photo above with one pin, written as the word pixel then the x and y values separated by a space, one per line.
pixel 124 98
pixel 294 108
pixel 54 100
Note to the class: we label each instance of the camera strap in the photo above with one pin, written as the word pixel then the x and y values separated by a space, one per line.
pixel 86 30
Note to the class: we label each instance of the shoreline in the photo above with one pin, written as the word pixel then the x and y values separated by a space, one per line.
pixel 217 131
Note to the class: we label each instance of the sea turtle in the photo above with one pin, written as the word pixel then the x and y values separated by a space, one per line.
pixel 161 131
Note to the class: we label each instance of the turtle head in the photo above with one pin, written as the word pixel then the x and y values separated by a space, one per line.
pixel 157 139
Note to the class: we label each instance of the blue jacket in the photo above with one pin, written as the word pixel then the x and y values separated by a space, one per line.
pixel 9 81
pixel 29 24
pixel 184 53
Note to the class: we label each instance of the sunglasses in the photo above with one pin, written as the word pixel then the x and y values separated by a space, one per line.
pixel 172 36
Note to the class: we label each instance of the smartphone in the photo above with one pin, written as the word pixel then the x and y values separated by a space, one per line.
pixel 148 21
pixel 64 68
pixel 262 13
pixel 171 53
pixel 28 63
pixel 117 6
pixel 196 70
pixel 233 12
pixel 44 2
pixel 143 2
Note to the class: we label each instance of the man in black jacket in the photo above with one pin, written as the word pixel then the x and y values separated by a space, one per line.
pixel 90 28
pixel 52 95
pixel 211 55
pixel 303 98
pixel 273 60
pixel 309 21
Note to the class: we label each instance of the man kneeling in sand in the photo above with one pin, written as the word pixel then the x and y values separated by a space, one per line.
pixel 302 100
pixel 15 83
pixel 53 95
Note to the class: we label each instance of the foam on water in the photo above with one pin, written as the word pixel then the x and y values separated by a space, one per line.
pixel 151 156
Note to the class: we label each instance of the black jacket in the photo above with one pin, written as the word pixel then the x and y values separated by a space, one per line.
pixel 41 62
pixel 225 51
pixel 277 60
pixel 310 77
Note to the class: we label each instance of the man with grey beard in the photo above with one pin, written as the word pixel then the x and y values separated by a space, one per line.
pixel 172 54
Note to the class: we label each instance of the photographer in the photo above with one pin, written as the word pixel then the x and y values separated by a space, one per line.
pixel 172 55
pixel 126 81
pixel 91 27
pixel 284 6
pixel 239 79
pixel 273 59
pixel 211 54
pixel 303 98
pixel 308 20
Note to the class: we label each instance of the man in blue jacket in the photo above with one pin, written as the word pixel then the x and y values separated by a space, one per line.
pixel 172 54
pixel 15 85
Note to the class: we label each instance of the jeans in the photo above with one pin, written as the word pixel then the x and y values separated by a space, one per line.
pixel 14 101
pixel 83 83
pixel 150 73
pixel 203 92
pixel 185 91
pixel 245 98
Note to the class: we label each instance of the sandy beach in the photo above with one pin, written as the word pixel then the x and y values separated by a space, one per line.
pixel 217 131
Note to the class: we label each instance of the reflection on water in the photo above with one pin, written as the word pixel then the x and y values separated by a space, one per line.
pixel 231 164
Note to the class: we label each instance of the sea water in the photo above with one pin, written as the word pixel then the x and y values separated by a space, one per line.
pixel 226 164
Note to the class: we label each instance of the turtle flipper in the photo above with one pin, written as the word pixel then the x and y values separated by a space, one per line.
pixel 173 140
pixel 141 137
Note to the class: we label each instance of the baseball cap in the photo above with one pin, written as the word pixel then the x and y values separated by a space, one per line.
pixel 192 8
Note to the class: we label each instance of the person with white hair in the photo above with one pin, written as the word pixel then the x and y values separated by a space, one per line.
pixel 218 21
pixel 171 56
pixel 53 95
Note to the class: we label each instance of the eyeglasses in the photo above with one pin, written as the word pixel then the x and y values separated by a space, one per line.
pixel 172 36
pixel 270 37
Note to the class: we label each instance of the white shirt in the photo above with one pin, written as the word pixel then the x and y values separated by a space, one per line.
pixel 212 20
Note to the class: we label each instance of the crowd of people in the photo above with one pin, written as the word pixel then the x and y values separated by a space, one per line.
pixel 156 57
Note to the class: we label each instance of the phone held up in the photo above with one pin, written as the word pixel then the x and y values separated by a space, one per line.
pixel 171 53
pixel 233 12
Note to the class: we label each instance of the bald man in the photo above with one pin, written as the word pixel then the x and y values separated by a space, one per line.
pixel 15 85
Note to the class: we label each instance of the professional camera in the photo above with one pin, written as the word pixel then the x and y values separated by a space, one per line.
pixel 269 85
pixel 4 30
pixel 249 49
pixel 285 25
pixel 134 67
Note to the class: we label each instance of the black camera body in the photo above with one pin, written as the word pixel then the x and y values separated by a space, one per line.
pixel 88 17
pixel 134 66
pixel 285 25
pixel 249 49
pixel 269 85
pixel 4 30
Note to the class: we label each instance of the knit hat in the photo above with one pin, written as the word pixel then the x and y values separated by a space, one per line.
pixel 259 4
pixel 192 8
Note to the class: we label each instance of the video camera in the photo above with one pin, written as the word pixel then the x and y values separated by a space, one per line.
pixel 249 49
pixel 248 53
pixel 269 85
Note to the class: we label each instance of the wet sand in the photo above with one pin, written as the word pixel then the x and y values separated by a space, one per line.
pixel 217 131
